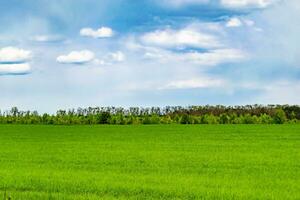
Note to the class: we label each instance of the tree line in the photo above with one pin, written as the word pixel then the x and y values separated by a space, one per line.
pixel 250 114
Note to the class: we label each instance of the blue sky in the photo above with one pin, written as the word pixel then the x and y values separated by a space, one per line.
pixel 78 53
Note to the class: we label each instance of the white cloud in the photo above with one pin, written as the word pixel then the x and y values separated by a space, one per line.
pixel 47 38
pixel 171 46
pixel 14 55
pixel 187 37
pixel 86 56
pixel 76 57
pixel 14 61
pixel 22 68
pixel 247 3
pixel 204 82
pixel 210 58
pixel 103 32
pixel 234 22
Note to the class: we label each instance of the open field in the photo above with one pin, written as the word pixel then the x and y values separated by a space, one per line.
pixel 150 162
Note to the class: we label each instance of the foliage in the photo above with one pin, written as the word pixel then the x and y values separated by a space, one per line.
pixel 251 114
pixel 280 117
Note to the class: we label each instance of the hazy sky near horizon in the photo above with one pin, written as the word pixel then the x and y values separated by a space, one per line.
pixel 63 54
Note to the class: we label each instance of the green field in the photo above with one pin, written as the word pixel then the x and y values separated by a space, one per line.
pixel 150 162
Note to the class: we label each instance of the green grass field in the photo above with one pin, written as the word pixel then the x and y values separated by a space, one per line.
pixel 150 162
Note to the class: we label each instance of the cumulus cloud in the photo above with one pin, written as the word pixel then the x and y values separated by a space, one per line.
pixel 103 32
pixel 86 56
pixel 14 61
pixel 180 38
pixel 14 55
pixel 76 57
pixel 188 46
pixel 22 68
pixel 247 3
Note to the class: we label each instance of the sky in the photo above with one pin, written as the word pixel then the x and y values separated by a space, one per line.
pixel 62 54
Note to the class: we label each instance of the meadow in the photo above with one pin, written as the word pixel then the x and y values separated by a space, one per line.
pixel 150 162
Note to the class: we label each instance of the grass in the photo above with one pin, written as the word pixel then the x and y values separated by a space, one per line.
pixel 150 162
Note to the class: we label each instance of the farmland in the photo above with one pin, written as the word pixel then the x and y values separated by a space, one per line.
pixel 150 162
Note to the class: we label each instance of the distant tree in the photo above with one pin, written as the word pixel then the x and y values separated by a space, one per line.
pixel 266 119
pixel 280 117
pixel 146 120
pixel 224 119
pixel 250 114
pixel 185 119
pixel 118 119
pixel 166 120
pixel 248 119
pixel 209 119
pixel 103 117
pixel 155 119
